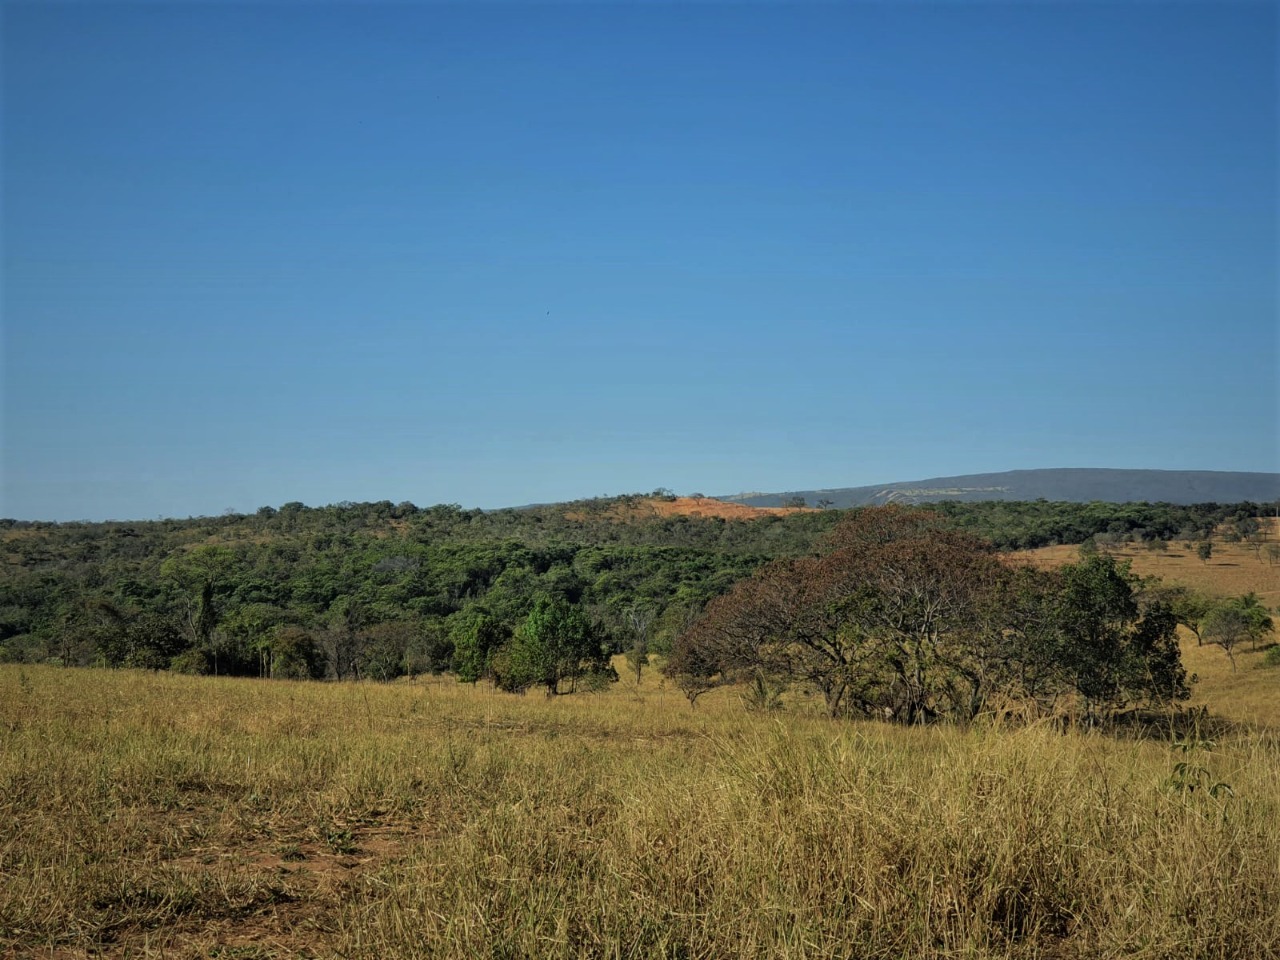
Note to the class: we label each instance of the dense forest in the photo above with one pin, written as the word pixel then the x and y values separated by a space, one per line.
pixel 379 590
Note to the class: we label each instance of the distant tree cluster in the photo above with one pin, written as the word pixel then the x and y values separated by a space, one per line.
pixel 1224 621
pixel 1025 525
pixel 903 617
pixel 369 590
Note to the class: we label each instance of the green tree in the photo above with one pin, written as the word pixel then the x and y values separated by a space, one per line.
pixel 430 649
pixel 476 637
pixel 125 637
pixel 1204 550
pixel 905 619
pixel 248 631
pixel 1226 625
pixel 384 648
pixel 294 654
pixel 1256 615
pixel 1115 650
pixel 204 574
pixel 340 640
pixel 1189 607
pixel 556 642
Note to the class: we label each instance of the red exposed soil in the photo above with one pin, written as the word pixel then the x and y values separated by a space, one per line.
pixel 641 508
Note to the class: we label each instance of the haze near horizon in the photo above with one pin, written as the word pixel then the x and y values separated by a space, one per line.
pixel 509 254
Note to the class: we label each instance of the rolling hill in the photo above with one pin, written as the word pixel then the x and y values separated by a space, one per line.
pixel 1079 485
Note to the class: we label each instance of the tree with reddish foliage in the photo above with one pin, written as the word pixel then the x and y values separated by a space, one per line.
pixel 905 618
pixel 885 623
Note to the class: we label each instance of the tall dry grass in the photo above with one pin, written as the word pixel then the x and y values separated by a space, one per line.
pixel 160 815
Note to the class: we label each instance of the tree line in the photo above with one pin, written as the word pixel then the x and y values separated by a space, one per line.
pixel 534 596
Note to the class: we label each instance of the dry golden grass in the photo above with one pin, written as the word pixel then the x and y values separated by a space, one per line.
pixel 1234 569
pixel 150 815
pixel 1248 693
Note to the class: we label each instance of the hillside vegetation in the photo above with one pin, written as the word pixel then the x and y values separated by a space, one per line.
pixel 381 590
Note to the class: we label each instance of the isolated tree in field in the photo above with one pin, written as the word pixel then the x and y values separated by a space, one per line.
pixel 1249 529
pixel 1189 607
pixel 1204 550
pixel 891 621
pixel 1106 541
pixel 1257 616
pixel 1114 650
pixel 556 642
pixel 1226 625
pixel 694 668
pixel 907 619
pixel 923 610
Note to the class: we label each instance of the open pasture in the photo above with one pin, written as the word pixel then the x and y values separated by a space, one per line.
pixel 162 815
pixel 1234 568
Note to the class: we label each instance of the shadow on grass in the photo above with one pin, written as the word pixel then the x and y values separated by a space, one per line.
pixel 1180 726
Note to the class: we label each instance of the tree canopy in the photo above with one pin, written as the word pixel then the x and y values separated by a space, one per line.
pixel 904 618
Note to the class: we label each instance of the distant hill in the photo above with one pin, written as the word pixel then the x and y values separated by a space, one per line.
pixel 1079 485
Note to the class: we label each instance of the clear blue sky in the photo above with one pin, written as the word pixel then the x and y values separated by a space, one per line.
pixel 492 255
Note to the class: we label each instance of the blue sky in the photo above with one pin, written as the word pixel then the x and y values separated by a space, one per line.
pixel 499 254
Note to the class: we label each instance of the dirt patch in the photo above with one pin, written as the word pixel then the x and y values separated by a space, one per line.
pixel 630 510
pixel 710 507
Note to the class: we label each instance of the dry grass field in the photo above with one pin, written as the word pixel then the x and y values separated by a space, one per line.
pixel 157 815
pixel 1234 568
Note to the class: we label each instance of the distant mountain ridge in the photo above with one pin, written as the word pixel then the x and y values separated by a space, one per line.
pixel 1073 484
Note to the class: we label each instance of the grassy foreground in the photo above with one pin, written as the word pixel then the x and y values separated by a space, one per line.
pixel 162 815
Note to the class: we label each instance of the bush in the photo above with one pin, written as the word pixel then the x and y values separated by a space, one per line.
pixel 194 661
pixel 1272 657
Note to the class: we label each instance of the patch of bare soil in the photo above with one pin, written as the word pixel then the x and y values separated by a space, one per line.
pixel 277 894
pixel 711 507
pixel 648 507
